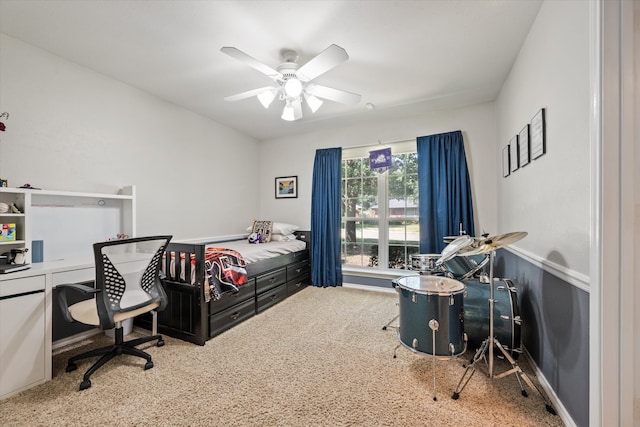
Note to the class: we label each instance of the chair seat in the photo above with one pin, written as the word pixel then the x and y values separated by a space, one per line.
pixel 86 312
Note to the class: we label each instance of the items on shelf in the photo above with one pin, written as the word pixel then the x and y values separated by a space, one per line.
pixel 7 232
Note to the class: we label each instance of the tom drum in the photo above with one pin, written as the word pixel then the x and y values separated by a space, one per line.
pixel 428 304
pixel 463 267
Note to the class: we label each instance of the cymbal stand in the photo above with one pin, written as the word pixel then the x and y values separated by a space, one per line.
pixel 488 344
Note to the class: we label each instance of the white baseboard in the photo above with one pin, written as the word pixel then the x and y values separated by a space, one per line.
pixel 75 338
pixel 555 401
pixel 369 288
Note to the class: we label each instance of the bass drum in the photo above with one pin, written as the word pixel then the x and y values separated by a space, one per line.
pixel 506 314
pixel 431 301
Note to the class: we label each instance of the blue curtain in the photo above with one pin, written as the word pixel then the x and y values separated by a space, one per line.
pixel 444 190
pixel 326 263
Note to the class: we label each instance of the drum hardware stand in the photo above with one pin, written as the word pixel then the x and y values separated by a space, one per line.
pixel 388 325
pixel 434 325
pixel 488 344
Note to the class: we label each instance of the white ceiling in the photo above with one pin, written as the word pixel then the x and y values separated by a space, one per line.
pixel 406 57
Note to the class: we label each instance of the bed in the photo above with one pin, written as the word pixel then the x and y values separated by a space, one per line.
pixel 201 307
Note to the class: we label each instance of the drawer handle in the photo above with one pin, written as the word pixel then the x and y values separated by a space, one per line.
pixel 298 284
pixel 298 270
pixel 273 279
pixel 274 296
pixel 235 315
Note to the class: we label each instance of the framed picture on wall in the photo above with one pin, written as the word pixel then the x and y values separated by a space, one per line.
pixel 538 140
pixel 286 187
pixel 513 154
pixel 505 162
pixel 523 146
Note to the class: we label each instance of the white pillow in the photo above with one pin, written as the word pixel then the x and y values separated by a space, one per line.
pixel 283 237
pixel 280 228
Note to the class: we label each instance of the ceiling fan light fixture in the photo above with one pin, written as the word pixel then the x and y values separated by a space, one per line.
pixel 293 87
pixel 288 113
pixel 313 102
pixel 266 98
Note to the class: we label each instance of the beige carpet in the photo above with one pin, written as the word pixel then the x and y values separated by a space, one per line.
pixel 319 358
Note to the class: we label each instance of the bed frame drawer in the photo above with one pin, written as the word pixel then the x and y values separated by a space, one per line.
pixel 297 284
pixel 270 280
pixel 271 298
pixel 230 317
pixel 247 291
pixel 298 269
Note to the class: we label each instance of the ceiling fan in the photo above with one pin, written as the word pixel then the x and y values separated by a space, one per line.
pixel 293 82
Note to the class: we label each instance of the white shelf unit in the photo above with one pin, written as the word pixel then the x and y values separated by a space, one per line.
pixel 68 222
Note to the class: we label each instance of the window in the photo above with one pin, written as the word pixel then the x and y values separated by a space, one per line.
pixel 380 227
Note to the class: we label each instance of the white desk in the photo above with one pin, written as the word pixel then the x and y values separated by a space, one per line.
pixel 25 321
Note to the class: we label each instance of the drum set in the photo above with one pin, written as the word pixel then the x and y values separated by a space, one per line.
pixel 453 302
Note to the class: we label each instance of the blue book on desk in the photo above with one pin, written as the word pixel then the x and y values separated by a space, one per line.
pixel 10 268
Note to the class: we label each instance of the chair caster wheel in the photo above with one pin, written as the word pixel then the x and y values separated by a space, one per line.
pixel 71 367
pixel 524 393
pixel 455 395
pixel 85 385
pixel 148 365
pixel 160 343
pixel 384 328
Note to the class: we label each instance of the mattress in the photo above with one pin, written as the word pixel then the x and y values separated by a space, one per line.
pixel 252 252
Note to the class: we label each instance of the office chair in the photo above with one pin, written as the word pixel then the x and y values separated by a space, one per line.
pixel 127 284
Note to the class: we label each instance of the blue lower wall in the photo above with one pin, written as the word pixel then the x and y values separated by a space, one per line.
pixel 555 329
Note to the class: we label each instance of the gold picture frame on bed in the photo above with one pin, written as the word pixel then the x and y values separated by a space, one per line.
pixel 287 187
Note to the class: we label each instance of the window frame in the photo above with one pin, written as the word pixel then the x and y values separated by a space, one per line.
pixel 383 219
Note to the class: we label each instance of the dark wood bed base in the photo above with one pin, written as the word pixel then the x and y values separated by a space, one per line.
pixel 187 315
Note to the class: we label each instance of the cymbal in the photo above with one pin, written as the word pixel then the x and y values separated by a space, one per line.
pixel 492 243
pixel 454 247
pixel 449 239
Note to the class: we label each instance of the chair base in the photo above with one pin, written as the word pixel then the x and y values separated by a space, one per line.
pixel 109 352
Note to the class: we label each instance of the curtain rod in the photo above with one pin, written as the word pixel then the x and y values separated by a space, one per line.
pixel 378 143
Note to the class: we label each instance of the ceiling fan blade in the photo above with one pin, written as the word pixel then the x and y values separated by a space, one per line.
pixel 332 94
pixel 252 62
pixel 321 63
pixel 248 94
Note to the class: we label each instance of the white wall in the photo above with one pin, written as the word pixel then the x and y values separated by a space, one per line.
pixel 550 197
pixel 76 130
pixel 295 156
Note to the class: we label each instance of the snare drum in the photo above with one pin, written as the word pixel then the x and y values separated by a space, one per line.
pixel 425 263
pixel 428 304
pixel 463 267
pixel 506 314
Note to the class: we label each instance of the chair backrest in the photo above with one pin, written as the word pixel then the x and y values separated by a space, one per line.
pixel 127 273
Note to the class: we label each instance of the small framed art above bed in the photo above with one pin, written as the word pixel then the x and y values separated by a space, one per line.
pixel 215 285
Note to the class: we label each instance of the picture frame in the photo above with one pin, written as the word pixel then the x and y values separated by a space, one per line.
pixel 506 170
pixel 537 135
pixel 286 187
pixel 523 146
pixel 513 154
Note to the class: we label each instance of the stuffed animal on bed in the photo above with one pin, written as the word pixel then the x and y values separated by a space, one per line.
pixel 255 238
